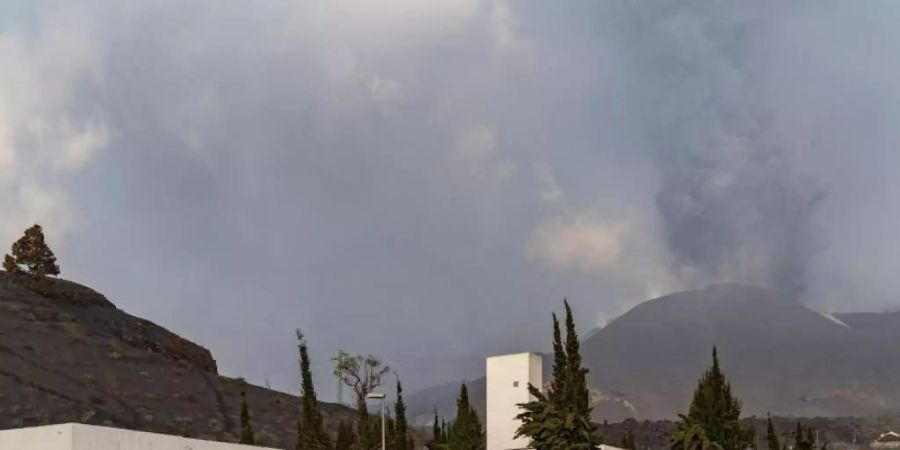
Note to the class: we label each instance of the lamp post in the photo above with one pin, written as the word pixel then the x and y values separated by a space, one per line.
pixel 379 396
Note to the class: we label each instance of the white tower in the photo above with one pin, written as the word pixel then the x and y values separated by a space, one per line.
pixel 508 377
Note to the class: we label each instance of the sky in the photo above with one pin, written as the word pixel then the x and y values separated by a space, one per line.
pixel 426 181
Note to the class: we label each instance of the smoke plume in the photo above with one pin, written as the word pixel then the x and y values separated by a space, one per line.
pixel 732 203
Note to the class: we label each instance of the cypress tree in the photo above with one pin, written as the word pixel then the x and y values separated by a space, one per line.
pixel 578 394
pixel 560 365
pixel 402 428
pixel 628 442
pixel 436 429
pixel 311 434
pixel 715 411
pixel 562 417
pixel 465 434
pixel 390 433
pixel 804 438
pixel 750 435
pixel 344 438
pixel 771 435
pixel 301 434
pixel 368 432
pixel 246 427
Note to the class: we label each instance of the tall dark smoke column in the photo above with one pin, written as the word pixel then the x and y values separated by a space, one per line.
pixel 734 206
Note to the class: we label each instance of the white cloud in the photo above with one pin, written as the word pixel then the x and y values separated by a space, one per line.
pixel 625 255
pixel 41 137
pixel 402 16
pixel 477 154
pixel 510 45
pixel 77 144
pixel 379 25
pixel 504 25
pixel 550 191
pixel 580 242
pixel 382 90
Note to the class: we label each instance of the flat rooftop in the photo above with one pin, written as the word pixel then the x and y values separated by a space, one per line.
pixel 75 436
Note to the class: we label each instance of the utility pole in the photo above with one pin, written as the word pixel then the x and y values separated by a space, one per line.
pixel 380 396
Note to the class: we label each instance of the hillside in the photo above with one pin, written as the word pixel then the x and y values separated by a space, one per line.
pixel 71 356
pixel 837 432
pixel 780 355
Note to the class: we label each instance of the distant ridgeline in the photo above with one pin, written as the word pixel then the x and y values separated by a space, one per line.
pixel 780 356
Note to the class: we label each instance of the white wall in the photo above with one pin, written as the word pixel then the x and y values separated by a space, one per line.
pixel 53 437
pixel 508 377
pixel 87 437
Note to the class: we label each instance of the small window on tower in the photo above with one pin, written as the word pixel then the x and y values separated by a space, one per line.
pixel 515 384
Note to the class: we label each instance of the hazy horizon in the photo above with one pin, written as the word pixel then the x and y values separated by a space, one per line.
pixel 426 181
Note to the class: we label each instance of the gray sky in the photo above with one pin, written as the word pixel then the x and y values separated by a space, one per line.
pixel 427 180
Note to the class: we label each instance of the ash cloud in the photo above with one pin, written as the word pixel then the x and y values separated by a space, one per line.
pixel 733 204
pixel 462 165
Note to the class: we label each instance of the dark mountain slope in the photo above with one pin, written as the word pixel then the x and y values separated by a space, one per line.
pixel 781 357
pixel 70 356
pixel 421 405
pixel 874 325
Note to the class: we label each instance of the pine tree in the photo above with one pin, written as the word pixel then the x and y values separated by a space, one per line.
pixel 402 428
pixel 715 411
pixel 311 434
pixel 562 417
pixel 31 251
pixel 465 434
pixel 691 436
pixel 12 269
pixel 771 435
pixel 246 427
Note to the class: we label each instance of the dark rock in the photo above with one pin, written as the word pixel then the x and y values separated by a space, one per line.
pixel 68 354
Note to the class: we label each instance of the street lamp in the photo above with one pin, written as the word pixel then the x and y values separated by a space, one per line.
pixel 379 396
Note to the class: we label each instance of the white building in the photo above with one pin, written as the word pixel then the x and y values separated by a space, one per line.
pixel 72 436
pixel 887 440
pixel 508 377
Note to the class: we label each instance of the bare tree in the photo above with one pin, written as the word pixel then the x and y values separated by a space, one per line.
pixel 362 374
